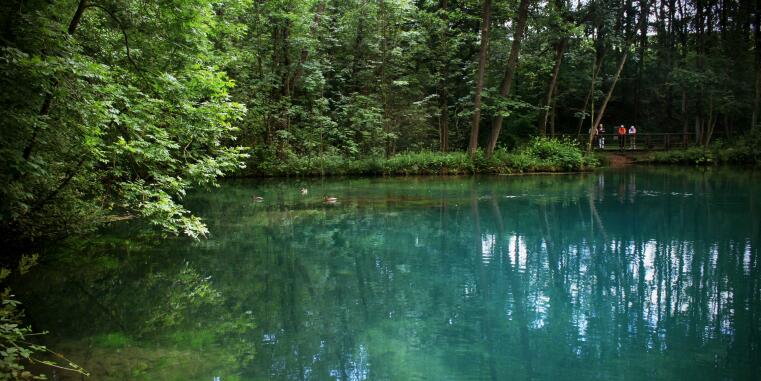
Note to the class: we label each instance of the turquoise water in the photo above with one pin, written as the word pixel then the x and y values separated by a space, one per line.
pixel 626 274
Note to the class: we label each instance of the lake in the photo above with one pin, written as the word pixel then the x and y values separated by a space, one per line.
pixel 637 273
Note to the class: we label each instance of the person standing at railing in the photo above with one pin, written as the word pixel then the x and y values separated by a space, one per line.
pixel 600 136
pixel 621 137
pixel 633 137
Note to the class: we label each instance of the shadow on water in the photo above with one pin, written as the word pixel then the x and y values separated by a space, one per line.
pixel 637 273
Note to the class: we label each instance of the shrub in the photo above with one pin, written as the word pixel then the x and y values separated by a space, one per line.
pixel 539 154
pixel 549 155
pixel 16 339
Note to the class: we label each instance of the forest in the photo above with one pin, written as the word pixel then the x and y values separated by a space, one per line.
pixel 115 110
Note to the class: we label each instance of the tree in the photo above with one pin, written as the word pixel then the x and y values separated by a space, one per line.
pixel 486 14
pixel 507 80
pixel 95 127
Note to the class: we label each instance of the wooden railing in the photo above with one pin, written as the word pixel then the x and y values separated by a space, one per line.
pixel 651 141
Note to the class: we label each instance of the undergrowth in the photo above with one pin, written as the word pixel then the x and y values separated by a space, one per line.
pixel 538 155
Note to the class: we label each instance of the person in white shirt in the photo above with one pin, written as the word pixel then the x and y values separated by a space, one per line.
pixel 600 137
pixel 632 137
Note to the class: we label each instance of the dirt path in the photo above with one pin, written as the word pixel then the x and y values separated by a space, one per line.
pixel 618 160
pixel 623 159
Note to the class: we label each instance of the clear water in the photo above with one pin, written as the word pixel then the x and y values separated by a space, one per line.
pixel 616 275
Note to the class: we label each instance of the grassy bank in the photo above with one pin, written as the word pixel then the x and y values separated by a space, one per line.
pixel 539 155
pixel 745 151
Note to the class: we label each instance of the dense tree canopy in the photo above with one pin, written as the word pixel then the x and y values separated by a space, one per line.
pixel 115 108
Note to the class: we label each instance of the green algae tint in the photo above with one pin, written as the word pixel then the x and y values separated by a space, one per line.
pixel 629 274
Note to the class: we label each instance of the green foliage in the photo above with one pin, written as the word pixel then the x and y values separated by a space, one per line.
pixel 17 345
pixel 538 155
pixel 694 155
pixel 120 112
pixel 547 155
pixel 112 340
pixel 743 150
pixel 428 163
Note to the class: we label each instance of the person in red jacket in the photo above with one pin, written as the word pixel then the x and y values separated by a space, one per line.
pixel 621 136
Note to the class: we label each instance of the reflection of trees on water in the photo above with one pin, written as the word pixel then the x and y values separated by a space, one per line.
pixel 601 276
pixel 593 276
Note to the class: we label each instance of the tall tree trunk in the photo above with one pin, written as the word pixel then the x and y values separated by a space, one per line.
pixel 757 98
pixel 685 119
pixel 559 50
pixel 276 51
pixel 596 67
pixel 700 59
pixel 285 83
pixel 713 117
pixel 507 81
pixel 604 104
pixel 553 114
pixel 480 79
pixel 644 14
pixel 443 75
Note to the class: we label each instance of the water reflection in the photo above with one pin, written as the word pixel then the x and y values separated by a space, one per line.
pixel 612 275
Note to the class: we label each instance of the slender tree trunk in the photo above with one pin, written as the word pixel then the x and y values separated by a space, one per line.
pixel 644 14
pixel 444 121
pixel 604 104
pixel 285 85
pixel 276 51
pixel 443 92
pixel 700 59
pixel 713 117
pixel 685 119
pixel 74 24
pixel 596 67
pixel 559 50
pixel 507 81
pixel 553 114
pixel 480 79
pixel 757 98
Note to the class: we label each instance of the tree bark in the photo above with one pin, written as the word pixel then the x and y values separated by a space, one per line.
pixel 711 125
pixel 596 67
pixel 559 50
pixel 644 14
pixel 286 69
pixel 604 104
pixel 480 78
pixel 444 74
pixel 554 110
pixel 685 119
pixel 507 81
pixel 757 98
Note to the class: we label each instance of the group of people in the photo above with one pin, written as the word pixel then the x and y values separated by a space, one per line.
pixel 623 133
